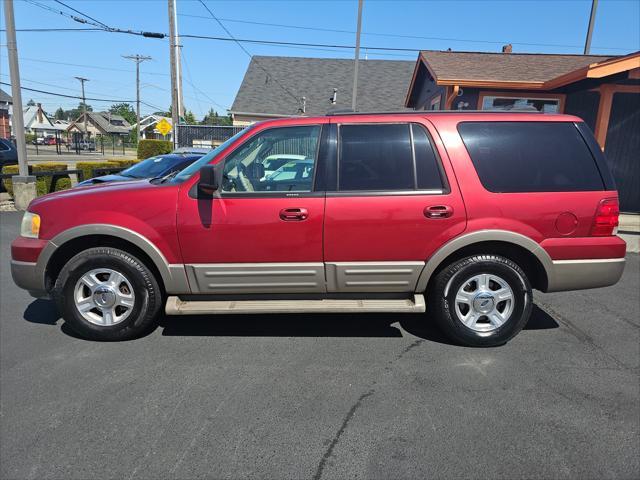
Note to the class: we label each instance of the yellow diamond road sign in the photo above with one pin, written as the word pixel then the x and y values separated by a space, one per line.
pixel 163 126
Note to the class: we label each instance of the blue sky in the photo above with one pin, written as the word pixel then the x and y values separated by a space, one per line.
pixel 213 70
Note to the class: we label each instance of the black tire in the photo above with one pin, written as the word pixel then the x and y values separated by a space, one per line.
pixel 454 276
pixel 146 306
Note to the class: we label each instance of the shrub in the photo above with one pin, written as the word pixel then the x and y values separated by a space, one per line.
pixel 8 184
pixel 88 168
pixel 43 184
pixel 122 163
pixel 151 148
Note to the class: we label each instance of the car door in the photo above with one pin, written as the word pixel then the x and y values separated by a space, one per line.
pixel 394 202
pixel 258 235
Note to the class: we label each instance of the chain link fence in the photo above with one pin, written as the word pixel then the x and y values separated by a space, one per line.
pixel 204 136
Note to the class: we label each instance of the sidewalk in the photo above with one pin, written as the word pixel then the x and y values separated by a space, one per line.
pixel 629 231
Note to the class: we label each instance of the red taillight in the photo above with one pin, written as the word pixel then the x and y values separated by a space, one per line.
pixel 606 218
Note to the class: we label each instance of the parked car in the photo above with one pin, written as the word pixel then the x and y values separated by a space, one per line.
pixel 195 150
pixel 8 153
pixel 457 214
pixel 149 168
pixel 88 145
pixel 274 162
pixel 38 141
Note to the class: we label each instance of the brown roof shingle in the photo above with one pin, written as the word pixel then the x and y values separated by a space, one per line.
pixel 505 67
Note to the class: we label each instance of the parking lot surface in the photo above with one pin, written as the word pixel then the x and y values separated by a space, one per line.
pixel 322 396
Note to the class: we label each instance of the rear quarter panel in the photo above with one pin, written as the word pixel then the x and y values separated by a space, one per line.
pixel 534 214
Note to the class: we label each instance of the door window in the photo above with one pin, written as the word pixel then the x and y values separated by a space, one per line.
pixel 381 157
pixel 275 160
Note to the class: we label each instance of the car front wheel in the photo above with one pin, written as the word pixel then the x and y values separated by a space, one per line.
pixel 105 293
pixel 481 301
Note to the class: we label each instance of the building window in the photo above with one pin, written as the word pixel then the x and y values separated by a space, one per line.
pixel 435 103
pixel 545 105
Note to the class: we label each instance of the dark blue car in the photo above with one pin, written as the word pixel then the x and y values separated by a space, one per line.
pixel 150 168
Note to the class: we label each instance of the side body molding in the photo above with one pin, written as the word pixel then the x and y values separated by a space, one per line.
pixel 173 276
pixel 485 236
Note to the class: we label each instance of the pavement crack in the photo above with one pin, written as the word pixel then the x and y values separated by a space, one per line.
pixel 352 410
pixel 336 437
pixel 582 336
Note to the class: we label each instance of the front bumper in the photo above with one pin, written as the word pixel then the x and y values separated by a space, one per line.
pixel 582 274
pixel 28 276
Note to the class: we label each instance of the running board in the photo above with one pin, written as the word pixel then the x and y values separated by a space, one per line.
pixel 175 306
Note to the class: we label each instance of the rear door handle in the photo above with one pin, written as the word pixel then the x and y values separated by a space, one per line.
pixel 294 214
pixel 438 211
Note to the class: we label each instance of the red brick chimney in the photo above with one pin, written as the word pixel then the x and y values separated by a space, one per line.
pixel 39 113
pixel 507 48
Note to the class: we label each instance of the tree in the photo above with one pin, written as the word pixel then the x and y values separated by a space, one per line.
pixel 212 118
pixel 126 111
pixel 60 114
pixel 190 118
pixel 75 113
pixel 31 103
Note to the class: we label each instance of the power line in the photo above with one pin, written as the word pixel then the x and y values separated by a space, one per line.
pixel 80 13
pixel 70 96
pixel 94 22
pixel 238 42
pixel 395 35
pixel 39 60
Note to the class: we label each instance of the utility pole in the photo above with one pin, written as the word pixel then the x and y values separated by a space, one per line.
pixel 174 61
pixel 24 185
pixel 84 105
pixel 592 21
pixel 355 65
pixel 138 59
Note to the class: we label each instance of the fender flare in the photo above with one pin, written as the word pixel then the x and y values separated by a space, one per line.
pixel 173 276
pixel 483 236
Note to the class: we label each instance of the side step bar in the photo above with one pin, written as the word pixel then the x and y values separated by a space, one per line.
pixel 175 306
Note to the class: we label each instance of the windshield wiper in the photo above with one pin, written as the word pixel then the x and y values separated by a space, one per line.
pixel 164 178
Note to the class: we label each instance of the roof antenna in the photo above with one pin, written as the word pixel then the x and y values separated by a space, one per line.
pixel 334 97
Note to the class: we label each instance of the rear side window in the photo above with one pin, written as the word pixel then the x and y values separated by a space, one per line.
pixel 386 157
pixel 530 156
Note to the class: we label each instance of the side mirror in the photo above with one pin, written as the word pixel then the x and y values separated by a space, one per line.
pixel 210 179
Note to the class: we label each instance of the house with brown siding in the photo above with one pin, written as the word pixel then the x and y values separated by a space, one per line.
pixel 602 90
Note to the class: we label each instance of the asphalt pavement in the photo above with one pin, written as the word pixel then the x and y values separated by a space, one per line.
pixel 322 396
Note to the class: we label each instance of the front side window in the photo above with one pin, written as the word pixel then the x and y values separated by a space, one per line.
pixel 275 160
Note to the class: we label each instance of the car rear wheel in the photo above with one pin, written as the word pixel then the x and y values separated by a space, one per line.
pixel 105 293
pixel 481 301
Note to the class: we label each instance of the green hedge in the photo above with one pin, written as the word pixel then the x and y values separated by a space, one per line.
pixel 88 168
pixel 43 184
pixel 151 148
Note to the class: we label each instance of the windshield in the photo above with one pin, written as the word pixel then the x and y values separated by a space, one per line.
pixel 195 166
pixel 149 168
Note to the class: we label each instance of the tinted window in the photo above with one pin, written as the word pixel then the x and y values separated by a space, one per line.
pixel 375 157
pixel 274 160
pixel 530 156
pixel 427 170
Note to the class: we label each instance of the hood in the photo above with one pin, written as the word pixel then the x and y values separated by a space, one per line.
pixel 104 179
pixel 110 188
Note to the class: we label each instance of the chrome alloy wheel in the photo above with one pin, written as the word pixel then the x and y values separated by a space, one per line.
pixel 484 302
pixel 104 297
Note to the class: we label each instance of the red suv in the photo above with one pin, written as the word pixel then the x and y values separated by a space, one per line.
pixel 456 214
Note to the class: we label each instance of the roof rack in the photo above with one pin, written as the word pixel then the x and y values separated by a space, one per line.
pixel 429 112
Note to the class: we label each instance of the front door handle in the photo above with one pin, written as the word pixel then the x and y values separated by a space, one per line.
pixel 294 214
pixel 438 211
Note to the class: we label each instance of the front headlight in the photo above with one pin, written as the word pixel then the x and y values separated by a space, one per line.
pixel 30 225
